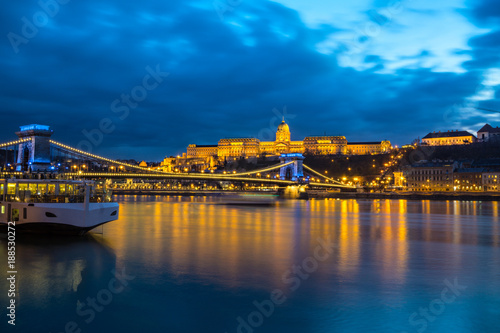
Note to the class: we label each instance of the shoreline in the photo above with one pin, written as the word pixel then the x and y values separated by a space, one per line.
pixel 437 196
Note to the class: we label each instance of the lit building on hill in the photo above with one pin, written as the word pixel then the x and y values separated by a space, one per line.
pixel 364 148
pixel 316 145
pixel 485 134
pixel 448 138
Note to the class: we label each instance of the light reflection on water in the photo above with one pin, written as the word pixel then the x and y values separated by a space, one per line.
pixel 194 258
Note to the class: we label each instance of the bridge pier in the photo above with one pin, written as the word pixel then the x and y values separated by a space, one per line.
pixel 34 154
pixel 294 171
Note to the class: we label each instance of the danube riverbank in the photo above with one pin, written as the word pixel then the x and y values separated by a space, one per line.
pixel 407 196
pixel 312 194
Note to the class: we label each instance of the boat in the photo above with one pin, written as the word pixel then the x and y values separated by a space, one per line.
pixel 71 207
pixel 248 200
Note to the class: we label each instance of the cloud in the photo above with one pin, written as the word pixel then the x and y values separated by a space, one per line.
pixel 226 77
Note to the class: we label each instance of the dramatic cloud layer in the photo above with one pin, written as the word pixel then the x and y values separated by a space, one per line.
pixel 145 78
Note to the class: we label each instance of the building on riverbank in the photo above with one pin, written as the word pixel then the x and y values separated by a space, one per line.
pixel 431 176
pixel 468 180
pixel 452 176
pixel 491 181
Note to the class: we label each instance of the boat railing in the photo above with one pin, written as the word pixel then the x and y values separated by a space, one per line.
pixel 28 197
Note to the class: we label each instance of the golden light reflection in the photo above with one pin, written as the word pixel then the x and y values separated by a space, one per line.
pixel 496 229
pixel 349 238
pixel 390 237
pixel 235 245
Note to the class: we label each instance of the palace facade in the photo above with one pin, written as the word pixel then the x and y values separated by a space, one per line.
pixel 317 145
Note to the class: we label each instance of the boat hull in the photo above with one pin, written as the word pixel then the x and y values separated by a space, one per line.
pixel 49 228
pixel 53 218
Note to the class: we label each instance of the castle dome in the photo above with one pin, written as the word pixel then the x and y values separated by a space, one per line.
pixel 283 132
pixel 283 127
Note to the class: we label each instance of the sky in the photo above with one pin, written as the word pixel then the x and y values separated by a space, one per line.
pixel 143 79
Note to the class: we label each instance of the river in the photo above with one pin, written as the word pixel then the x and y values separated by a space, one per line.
pixel 190 264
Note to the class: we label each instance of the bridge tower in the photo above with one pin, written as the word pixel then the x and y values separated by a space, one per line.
pixel 34 154
pixel 292 171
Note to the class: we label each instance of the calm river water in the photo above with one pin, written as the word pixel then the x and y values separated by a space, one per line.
pixel 187 264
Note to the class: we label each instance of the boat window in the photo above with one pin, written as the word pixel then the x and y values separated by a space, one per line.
pixel 23 187
pixel 11 189
pixel 42 188
pixel 33 188
pixel 52 188
pixel 62 188
pixel 69 189
pixel 25 213
pixel 49 214
pixel 2 209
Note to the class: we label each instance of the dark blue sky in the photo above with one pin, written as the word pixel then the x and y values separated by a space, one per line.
pixel 369 70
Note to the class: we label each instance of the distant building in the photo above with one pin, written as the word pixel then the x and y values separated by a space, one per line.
pixel 202 150
pixel 365 148
pixel 325 145
pixel 487 133
pixel 448 138
pixel 491 181
pixel 431 176
pixel 143 164
pixel 468 180
pixel 233 148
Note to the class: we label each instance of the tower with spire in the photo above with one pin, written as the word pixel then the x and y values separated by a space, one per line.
pixel 283 132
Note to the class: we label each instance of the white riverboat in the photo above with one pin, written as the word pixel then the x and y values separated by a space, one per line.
pixel 55 206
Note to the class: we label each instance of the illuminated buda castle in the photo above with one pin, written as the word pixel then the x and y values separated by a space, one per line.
pixel 317 145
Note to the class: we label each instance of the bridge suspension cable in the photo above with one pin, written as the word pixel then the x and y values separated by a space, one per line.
pixel 13 143
pixel 272 167
pixel 330 179
pixel 81 152
pixel 234 176
pixel 198 176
